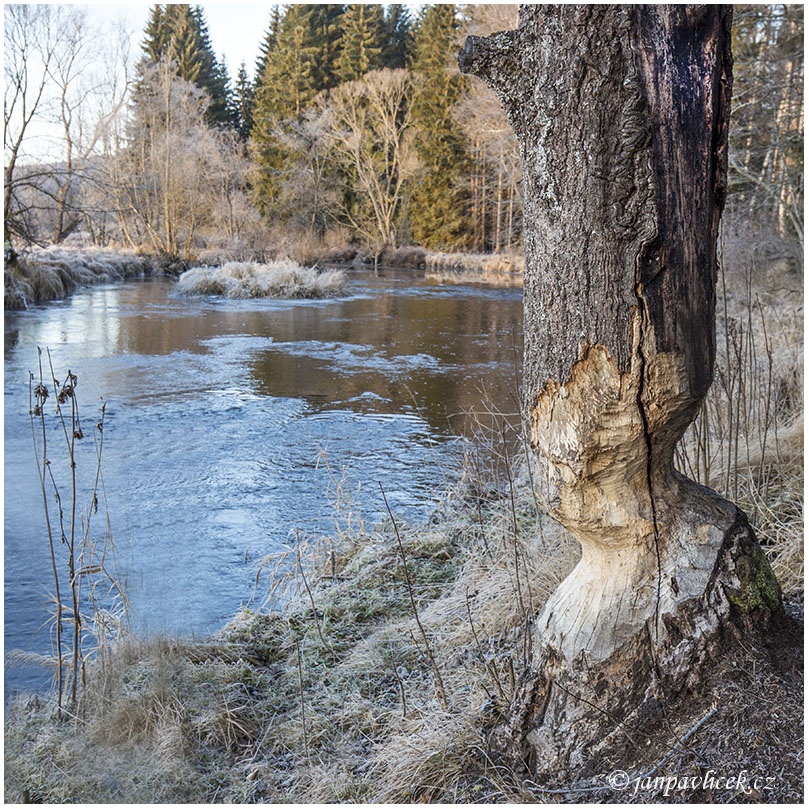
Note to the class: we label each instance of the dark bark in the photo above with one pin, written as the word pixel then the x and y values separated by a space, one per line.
pixel 623 132
pixel 621 113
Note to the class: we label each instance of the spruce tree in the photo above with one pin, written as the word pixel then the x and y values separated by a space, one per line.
pixel 156 35
pixel 214 76
pixel 325 20
pixel 361 42
pixel 267 44
pixel 242 101
pixel 285 89
pixel 184 43
pixel 178 32
pixel 398 33
pixel 301 61
pixel 439 207
pixel 288 83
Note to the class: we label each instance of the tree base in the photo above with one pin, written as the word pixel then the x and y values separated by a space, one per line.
pixel 574 719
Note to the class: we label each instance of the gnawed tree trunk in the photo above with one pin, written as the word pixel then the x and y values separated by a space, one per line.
pixel 621 113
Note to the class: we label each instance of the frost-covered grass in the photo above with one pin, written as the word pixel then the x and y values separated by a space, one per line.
pixel 334 699
pixel 340 697
pixel 747 441
pixel 372 685
pixel 53 274
pixel 278 279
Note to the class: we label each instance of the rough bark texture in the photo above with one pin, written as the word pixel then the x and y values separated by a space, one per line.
pixel 621 113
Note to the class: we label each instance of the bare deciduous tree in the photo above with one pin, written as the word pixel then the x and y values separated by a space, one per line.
pixel 766 155
pixel 158 174
pixel 369 134
pixel 90 100
pixel 61 108
pixel 308 195
pixel 31 37
pixel 177 178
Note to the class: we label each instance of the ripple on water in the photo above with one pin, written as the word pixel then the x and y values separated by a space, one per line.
pixel 229 424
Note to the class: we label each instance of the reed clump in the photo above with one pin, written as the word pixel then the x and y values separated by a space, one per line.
pixel 493 269
pixel 277 279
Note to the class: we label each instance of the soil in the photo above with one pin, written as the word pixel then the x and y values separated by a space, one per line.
pixel 740 741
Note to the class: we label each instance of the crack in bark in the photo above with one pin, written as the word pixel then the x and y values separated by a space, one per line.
pixel 647 436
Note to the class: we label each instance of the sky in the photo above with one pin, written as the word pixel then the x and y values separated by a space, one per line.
pixel 236 29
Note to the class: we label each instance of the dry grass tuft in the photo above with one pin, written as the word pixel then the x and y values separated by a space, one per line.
pixel 747 442
pixel 278 279
pixel 409 256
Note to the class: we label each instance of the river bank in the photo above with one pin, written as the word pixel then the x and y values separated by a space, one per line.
pixel 396 654
pixel 385 655
pixel 40 276
pixel 43 275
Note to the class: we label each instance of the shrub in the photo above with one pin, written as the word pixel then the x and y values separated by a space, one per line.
pixel 278 279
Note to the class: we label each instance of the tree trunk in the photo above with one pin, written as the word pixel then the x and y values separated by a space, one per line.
pixel 621 113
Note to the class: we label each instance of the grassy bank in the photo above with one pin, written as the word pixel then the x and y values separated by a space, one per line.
pixel 499 269
pixel 395 654
pixel 48 275
pixel 383 657
pixel 368 686
pixel 44 275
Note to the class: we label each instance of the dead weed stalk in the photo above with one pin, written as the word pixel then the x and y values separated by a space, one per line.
pixel 82 564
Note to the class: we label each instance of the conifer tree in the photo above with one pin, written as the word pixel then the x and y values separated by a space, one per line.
pixel 268 44
pixel 398 32
pixel 325 21
pixel 285 89
pixel 438 211
pixel 156 35
pixel 242 100
pixel 178 32
pixel 214 77
pixel 185 43
pixel 301 61
pixel 361 42
pixel 288 82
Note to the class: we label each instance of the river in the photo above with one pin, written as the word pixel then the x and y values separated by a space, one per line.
pixel 226 420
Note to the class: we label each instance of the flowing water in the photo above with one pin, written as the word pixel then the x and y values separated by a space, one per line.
pixel 227 420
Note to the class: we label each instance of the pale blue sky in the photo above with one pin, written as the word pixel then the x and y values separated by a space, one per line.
pixel 236 29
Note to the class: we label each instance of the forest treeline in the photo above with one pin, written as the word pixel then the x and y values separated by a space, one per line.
pixel 354 127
